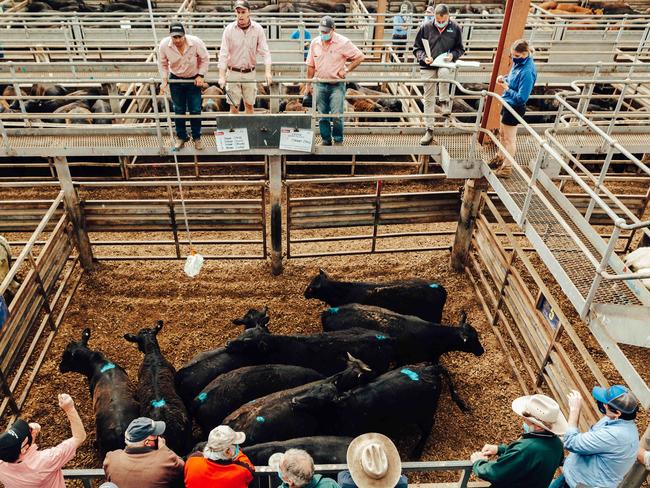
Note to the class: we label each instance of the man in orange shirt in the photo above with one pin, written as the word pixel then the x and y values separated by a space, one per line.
pixel 221 464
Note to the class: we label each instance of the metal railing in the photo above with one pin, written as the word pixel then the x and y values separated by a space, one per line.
pixel 266 477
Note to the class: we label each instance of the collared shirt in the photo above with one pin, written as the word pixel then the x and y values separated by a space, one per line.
pixel 602 456
pixel 137 467
pixel 194 61
pixel 521 79
pixel 39 469
pixel 240 47
pixel 329 60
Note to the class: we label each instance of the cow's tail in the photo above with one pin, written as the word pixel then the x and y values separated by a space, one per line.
pixel 452 389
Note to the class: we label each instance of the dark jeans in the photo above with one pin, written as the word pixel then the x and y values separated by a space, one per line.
pixel 330 99
pixel 186 98
pixel 399 45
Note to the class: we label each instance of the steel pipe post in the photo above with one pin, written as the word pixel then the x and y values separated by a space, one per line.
pixel 275 190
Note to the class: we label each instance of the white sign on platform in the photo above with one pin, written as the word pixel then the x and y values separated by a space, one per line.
pixel 232 140
pixel 296 139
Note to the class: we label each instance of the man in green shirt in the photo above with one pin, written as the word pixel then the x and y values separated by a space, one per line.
pixel 531 460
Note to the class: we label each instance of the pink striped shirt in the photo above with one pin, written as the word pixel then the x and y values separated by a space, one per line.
pixel 194 61
pixel 240 47
pixel 329 60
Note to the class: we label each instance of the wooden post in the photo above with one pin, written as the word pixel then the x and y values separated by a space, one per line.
pixel 71 202
pixel 637 473
pixel 382 7
pixel 468 212
pixel 514 23
pixel 275 187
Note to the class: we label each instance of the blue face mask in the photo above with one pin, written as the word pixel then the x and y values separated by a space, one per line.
pixel 526 428
pixel 280 475
pixel 518 60
pixel 236 452
pixel 326 37
pixel 440 25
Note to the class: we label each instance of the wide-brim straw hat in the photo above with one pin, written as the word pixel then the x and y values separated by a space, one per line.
pixel 542 411
pixel 373 461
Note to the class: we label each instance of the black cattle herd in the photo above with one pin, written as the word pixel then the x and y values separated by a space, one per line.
pixel 373 368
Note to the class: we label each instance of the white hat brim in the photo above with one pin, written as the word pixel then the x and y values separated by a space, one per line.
pixel 353 458
pixel 559 427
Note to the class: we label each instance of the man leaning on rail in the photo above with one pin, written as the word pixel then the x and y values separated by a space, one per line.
pixel 184 59
pixel 444 37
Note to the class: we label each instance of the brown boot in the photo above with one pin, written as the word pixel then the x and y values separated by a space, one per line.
pixel 495 162
pixel 180 143
pixel 198 144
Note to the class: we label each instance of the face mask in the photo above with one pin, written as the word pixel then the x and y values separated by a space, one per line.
pixel 280 475
pixel 440 25
pixel 326 37
pixel 518 60
pixel 236 452
pixel 526 428
pixel 601 407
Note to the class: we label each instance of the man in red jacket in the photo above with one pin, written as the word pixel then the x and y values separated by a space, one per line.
pixel 222 463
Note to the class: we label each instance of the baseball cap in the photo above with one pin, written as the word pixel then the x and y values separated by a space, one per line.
pixel 12 439
pixel 177 29
pixel 326 24
pixel 617 397
pixel 142 427
pixel 242 4
pixel 222 437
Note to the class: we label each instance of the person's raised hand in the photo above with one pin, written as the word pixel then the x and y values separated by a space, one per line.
pixel 65 402
pixel 575 401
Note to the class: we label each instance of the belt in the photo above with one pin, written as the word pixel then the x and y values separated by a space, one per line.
pixel 243 70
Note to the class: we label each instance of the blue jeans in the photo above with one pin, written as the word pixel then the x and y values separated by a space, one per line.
pixel 186 97
pixel 558 482
pixel 330 99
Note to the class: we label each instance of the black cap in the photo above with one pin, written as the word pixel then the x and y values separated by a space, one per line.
pixel 242 4
pixel 12 439
pixel 327 22
pixel 177 29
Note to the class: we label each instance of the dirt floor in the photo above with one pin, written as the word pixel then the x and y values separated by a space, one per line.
pixel 122 297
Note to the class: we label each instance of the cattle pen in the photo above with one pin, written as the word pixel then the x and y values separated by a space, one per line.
pixel 101 216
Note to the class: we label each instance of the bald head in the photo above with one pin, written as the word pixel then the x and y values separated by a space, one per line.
pixel 297 467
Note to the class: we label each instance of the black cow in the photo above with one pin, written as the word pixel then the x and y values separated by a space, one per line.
pixel 326 353
pixel 401 397
pixel 424 299
pixel 206 366
pixel 229 391
pixel 113 402
pixel 324 449
pixel 272 418
pixel 417 339
pixel 156 392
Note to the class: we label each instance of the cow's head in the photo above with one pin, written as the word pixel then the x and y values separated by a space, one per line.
pixel 318 282
pixel 146 337
pixel 254 318
pixel 251 341
pixel 357 373
pixel 321 396
pixel 469 337
pixel 76 355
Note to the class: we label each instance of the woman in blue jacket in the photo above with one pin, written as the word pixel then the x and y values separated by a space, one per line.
pixel 517 87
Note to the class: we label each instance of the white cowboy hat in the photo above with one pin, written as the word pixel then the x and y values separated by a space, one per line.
pixel 373 461
pixel 542 411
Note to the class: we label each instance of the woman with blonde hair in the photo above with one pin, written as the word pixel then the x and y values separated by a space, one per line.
pixel 517 86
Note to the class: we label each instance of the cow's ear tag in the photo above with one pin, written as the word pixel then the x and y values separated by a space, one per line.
pixel 412 375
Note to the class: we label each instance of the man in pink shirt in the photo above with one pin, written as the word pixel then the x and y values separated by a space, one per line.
pixel 184 59
pixel 241 43
pixel 329 55
pixel 23 465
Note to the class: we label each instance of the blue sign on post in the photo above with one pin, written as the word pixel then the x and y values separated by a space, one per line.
pixel 547 311
pixel 4 312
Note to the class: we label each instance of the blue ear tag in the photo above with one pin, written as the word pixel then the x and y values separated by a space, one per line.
pixel 260 419
pixel 412 375
pixel 380 337
pixel 434 285
pixel 202 396
pixel 107 367
pixel 333 310
pixel 158 403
